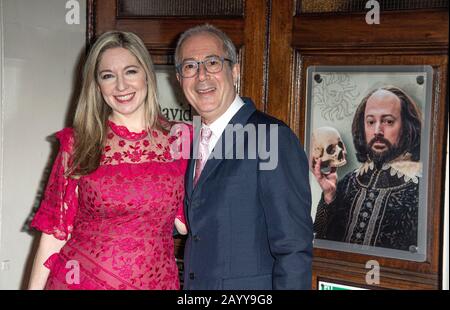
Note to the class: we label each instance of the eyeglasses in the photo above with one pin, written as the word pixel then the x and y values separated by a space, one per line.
pixel 212 64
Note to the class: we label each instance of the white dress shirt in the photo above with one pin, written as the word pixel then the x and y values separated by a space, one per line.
pixel 218 126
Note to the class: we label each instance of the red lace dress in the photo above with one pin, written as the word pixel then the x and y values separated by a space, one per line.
pixel 119 219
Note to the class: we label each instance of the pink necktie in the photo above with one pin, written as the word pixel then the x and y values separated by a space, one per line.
pixel 203 152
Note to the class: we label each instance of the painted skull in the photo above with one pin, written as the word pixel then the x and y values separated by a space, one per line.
pixel 327 144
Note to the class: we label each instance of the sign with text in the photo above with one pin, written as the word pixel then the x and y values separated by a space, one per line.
pixel 174 105
pixel 330 286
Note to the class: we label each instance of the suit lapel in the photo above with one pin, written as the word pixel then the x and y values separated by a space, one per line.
pixel 240 117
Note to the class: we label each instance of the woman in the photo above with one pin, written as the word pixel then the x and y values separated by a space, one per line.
pixel 115 189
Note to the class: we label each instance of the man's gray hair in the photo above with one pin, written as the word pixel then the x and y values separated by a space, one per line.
pixel 228 46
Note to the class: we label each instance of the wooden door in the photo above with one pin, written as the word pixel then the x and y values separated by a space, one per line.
pixel 277 41
pixel 329 33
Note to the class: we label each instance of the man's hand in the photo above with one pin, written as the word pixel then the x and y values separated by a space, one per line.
pixel 326 181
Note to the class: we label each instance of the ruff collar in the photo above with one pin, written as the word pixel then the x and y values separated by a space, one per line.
pixel 402 167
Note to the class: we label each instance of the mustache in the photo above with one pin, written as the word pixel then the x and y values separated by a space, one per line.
pixel 380 140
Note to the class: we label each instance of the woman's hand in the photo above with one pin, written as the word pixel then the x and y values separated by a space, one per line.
pixel 181 227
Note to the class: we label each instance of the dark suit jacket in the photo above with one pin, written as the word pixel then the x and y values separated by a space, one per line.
pixel 250 228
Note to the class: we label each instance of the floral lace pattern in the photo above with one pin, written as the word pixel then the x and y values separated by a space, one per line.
pixel 119 218
pixel 136 148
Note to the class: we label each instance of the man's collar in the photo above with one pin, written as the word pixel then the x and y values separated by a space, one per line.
pixel 218 126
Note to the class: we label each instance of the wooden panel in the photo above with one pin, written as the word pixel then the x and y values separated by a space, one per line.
pixel 101 16
pixel 182 8
pixel 105 16
pixel 159 34
pixel 326 6
pixel 396 29
pixel 280 60
pixel 355 274
pixel 254 70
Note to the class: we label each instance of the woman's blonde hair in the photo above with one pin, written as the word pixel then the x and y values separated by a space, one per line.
pixel 92 112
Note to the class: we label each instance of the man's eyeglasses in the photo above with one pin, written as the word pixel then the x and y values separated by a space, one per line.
pixel 212 64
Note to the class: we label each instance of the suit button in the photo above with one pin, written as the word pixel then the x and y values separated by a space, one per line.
pixel 196 238
pixel 192 276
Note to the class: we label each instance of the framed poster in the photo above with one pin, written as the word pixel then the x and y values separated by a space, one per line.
pixel 367 134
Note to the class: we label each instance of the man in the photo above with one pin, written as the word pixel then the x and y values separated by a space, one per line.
pixel 249 228
pixel 377 204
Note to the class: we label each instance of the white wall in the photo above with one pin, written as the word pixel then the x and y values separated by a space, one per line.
pixel 41 52
pixel 1 122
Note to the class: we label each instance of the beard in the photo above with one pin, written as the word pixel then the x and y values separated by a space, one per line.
pixel 379 158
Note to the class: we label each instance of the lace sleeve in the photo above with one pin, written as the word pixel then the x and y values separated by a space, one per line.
pixel 58 207
pixel 180 214
pixel 182 134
